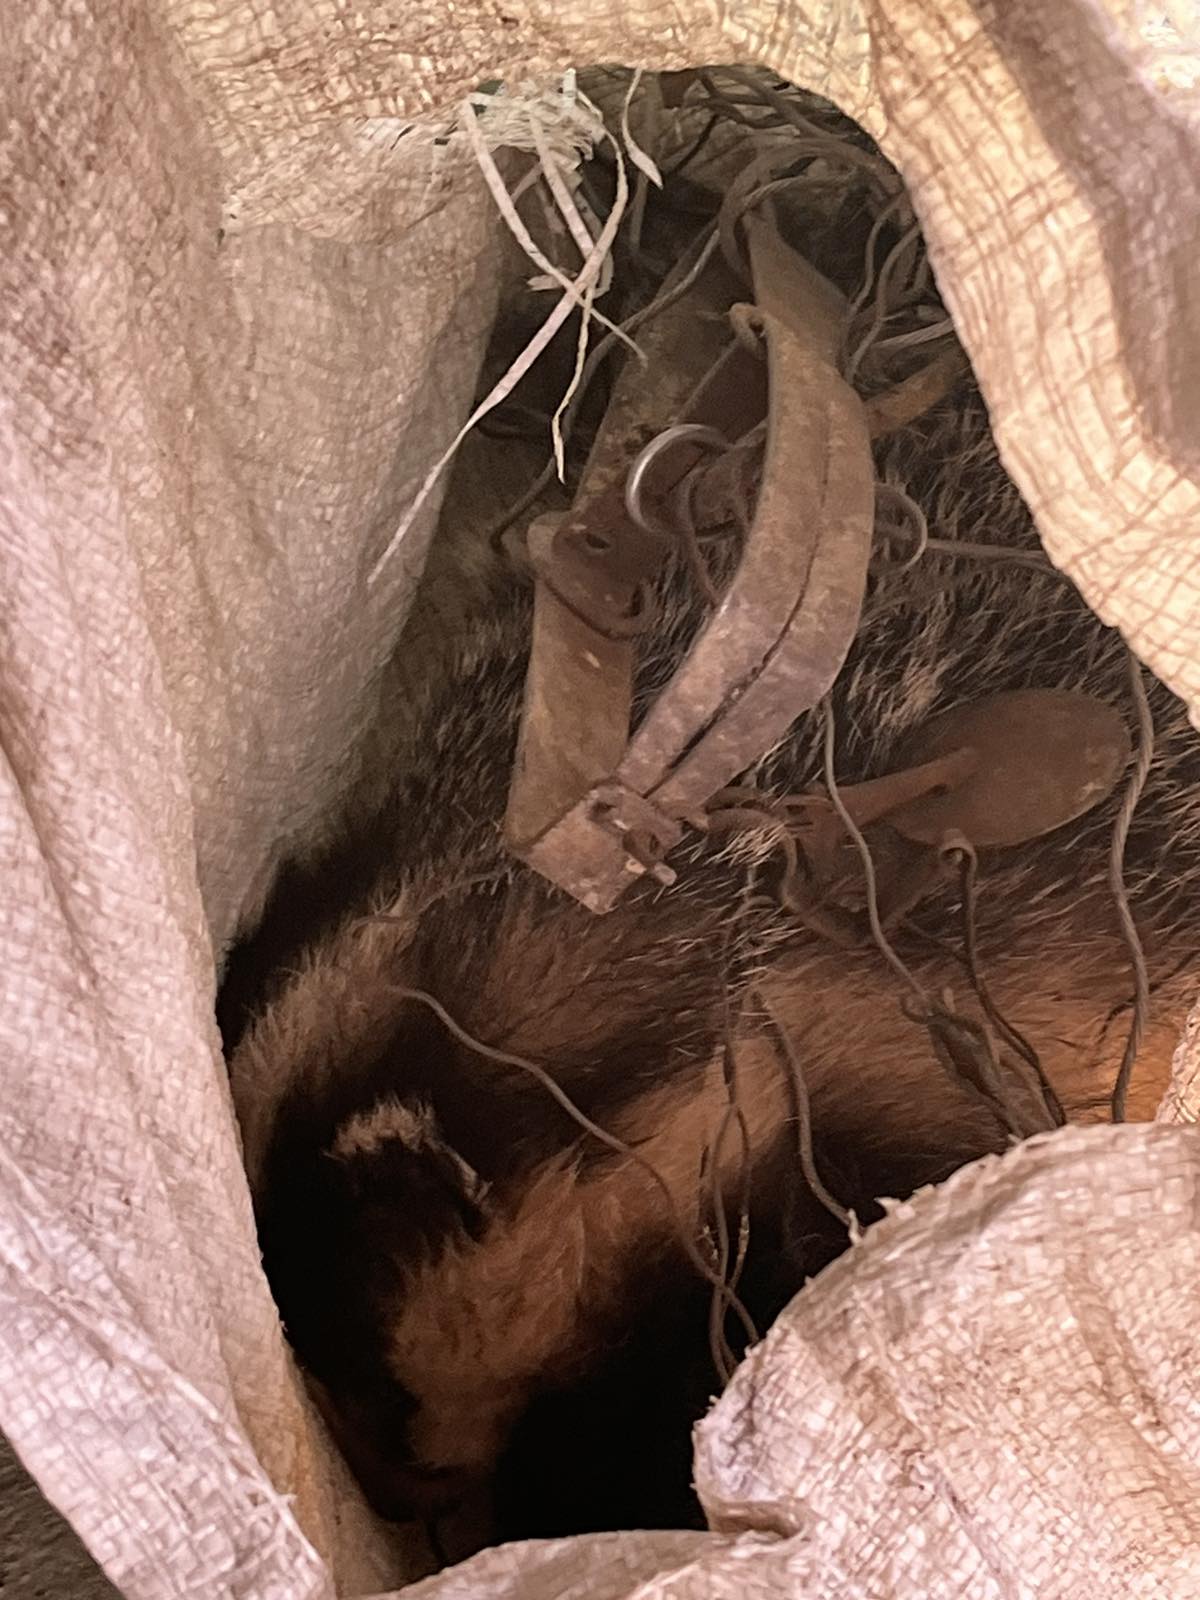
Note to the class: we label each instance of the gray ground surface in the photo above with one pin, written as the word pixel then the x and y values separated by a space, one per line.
pixel 40 1557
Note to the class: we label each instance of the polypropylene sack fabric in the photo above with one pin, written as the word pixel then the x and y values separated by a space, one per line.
pixel 992 1395
pixel 244 303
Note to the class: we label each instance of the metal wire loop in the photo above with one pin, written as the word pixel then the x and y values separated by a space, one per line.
pixel 681 433
pixel 917 528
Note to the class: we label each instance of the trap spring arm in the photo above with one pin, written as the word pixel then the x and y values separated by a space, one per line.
pixel 590 809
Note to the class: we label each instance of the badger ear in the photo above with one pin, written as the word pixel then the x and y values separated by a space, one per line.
pixel 390 1120
pixel 392 1157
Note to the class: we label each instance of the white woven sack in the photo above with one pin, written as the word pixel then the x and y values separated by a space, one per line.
pixel 242 314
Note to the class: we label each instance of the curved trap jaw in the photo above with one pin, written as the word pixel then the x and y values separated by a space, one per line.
pixel 591 807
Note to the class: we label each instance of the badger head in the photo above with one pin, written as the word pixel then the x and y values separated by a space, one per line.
pixel 424 1308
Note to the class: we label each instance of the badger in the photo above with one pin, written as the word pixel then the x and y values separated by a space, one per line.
pixel 493 1286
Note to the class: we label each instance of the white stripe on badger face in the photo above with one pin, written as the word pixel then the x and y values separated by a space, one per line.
pixel 338 1007
pixel 387 1120
pixel 412 1125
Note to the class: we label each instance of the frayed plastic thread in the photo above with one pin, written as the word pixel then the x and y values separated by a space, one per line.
pixel 578 293
pixel 633 150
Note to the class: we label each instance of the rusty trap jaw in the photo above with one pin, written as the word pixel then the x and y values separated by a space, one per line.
pixel 591 807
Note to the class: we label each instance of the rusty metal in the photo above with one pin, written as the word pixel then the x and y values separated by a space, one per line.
pixel 591 567
pixel 589 811
pixel 784 627
pixel 999 772
pixel 818 828
pixel 1043 758
pixel 915 395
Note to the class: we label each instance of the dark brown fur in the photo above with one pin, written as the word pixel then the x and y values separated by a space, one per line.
pixel 467 1274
